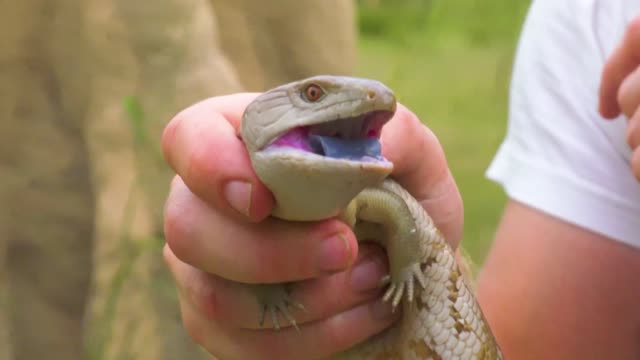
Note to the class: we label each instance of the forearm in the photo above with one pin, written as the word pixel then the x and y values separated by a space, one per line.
pixel 553 290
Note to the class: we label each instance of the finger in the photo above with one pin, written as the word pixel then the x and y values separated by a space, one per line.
pixel 633 131
pixel 629 93
pixel 620 64
pixel 270 251
pixel 234 304
pixel 358 284
pixel 202 146
pixel 421 167
pixel 315 340
pixel 635 163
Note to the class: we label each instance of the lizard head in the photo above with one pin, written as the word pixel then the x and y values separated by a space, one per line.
pixel 316 142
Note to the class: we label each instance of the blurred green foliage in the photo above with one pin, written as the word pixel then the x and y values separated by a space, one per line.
pixel 137 120
pixel 482 22
pixel 450 62
pixel 392 19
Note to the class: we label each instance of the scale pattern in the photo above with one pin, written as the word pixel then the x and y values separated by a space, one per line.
pixel 444 321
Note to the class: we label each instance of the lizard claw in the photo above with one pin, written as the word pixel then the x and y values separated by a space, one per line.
pixel 275 299
pixel 402 284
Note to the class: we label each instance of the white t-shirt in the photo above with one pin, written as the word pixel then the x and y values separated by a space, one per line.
pixel 559 155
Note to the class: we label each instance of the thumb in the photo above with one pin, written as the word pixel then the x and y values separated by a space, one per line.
pixel 421 167
pixel 201 145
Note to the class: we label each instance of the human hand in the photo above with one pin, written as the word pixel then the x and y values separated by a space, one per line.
pixel 218 233
pixel 620 88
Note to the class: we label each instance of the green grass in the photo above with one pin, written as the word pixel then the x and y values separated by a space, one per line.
pixel 453 71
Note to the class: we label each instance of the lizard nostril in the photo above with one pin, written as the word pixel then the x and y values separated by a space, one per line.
pixel 371 94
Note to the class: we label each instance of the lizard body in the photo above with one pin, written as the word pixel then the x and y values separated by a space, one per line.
pixel 315 145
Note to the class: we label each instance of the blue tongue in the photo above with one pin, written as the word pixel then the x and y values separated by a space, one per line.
pixel 350 149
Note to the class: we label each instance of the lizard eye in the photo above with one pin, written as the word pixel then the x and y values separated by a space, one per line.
pixel 313 93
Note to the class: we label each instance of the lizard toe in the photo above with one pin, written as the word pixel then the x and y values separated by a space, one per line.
pixel 402 285
pixel 275 300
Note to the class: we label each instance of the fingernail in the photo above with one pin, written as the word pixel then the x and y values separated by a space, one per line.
pixel 334 254
pixel 380 310
pixel 367 273
pixel 238 195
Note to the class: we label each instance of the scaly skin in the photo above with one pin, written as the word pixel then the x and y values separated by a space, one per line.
pixel 441 318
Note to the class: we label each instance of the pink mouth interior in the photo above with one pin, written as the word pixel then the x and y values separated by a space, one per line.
pixel 298 138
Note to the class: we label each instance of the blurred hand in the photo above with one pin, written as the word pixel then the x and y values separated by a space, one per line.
pixel 620 88
pixel 218 233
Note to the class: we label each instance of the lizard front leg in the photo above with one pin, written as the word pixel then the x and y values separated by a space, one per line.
pixel 382 215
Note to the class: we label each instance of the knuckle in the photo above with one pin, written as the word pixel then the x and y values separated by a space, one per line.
pixel 176 230
pixel 204 298
pixel 201 294
pixel 200 169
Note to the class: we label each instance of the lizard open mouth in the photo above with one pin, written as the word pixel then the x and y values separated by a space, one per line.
pixel 354 138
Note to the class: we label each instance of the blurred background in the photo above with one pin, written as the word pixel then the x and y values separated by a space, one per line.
pixel 86 88
pixel 450 62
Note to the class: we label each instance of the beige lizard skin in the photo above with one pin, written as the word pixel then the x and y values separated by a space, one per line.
pixel 289 133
